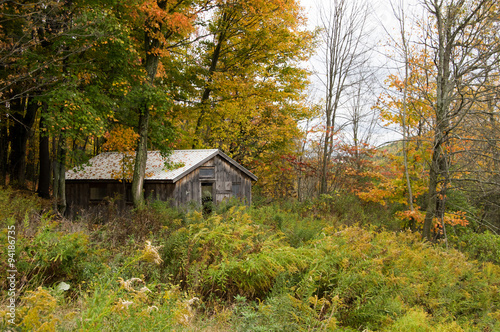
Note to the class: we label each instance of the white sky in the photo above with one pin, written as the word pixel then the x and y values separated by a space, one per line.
pixel 382 16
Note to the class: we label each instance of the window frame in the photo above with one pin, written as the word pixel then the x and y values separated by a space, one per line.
pixel 211 176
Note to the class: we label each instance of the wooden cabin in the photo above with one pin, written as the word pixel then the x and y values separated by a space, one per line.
pixel 199 176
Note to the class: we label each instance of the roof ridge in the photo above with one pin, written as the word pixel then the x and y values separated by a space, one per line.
pixel 103 165
pixel 157 151
pixel 197 150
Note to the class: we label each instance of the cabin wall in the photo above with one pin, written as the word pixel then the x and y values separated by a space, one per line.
pixel 188 188
pixel 228 175
pixel 79 197
pixel 159 191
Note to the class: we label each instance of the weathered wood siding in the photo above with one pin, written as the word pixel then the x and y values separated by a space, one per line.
pixel 188 189
pixel 225 176
pixel 78 194
pixel 158 191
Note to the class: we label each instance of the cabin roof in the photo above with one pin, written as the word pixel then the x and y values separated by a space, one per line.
pixel 108 165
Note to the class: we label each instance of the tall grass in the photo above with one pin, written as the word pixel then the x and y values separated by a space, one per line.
pixel 329 264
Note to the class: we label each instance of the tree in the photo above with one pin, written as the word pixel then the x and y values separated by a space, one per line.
pixel 156 26
pixel 44 47
pixel 360 116
pixel 345 51
pixel 248 83
pixel 404 49
pixel 463 57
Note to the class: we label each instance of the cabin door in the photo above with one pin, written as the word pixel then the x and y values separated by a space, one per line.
pixel 207 197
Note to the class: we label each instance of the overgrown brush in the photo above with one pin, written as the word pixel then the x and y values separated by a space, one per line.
pixel 378 277
pixel 229 255
pixel 361 278
pixel 269 268
pixel 19 205
pixel 483 247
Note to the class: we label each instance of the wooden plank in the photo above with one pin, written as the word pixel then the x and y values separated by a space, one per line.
pixel 221 197
pixel 86 195
pixel 210 162
pixel 113 189
pixel 227 172
pixel 157 191
pixel 175 194
pixel 197 192
pixel 186 190
pixel 196 187
pixel 161 191
pixel 158 187
pixel 169 190
pixel 70 197
pixel 248 191
pixel 149 189
pixel 182 190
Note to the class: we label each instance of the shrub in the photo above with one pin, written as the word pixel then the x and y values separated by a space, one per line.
pixel 18 205
pixel 229 255
pixel 51 255
pixel 378 276
pixel 282 312
pixel 280 267
pixel 112 303
pixel 484 247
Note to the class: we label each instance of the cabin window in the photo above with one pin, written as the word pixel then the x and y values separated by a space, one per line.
pixel 236 189
pixel 207 172
pixel 97 192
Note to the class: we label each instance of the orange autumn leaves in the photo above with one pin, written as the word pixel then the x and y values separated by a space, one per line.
pixel 415 116
pixel 122 139
pixel 166 13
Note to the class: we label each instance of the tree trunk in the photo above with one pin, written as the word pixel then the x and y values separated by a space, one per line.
pixel 346 47
pixel 152 59
pixel 441 110
pixel 4 148
pixel 326 154
pixel 432 194
pixel 140 159
pixel 403 121
pixel 213 66
pixel 21 131
pixel 44 159
pixel 60 177
pixel 459 26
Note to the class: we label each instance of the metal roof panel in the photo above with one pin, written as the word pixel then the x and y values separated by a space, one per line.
pixel 110 165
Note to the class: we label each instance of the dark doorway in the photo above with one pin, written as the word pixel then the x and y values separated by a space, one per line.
pixel 207 197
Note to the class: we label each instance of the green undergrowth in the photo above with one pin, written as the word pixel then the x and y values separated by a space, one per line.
pixel 278 267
